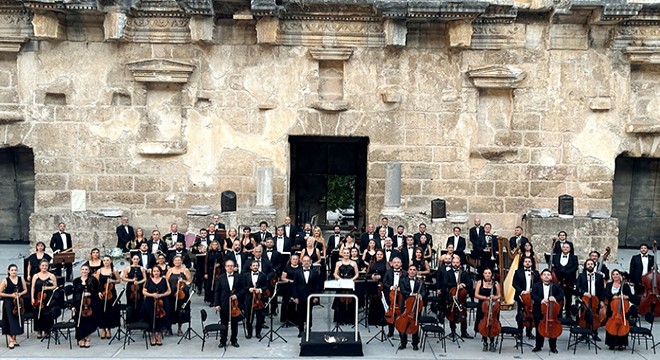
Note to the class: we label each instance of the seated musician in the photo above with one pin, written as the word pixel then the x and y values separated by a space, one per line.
pixel 566 266
pixel 487 289
pixel 228 288
pixel 523 280
pixel 591 284
pixel 305 282
pixel 391 284
pixel 459 279
pixel 543 293
pixel 255 283
pixel 410 285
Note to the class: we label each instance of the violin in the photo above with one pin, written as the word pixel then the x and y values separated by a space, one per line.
pixel 408 322
pixel 19 307
pixel 550 326
pixel 394 310
pixel 651 282
pixel 136 292
pixel 235 309
pixel 40 300
pixel 160 309
pixel 528 314
pixel 602 311
pixel 180 293
pixel 107 293
pixel 257 303
pixel 617 324
pixel 490 325
pixel 86 308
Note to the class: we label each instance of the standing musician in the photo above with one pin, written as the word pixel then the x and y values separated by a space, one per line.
pixel 43 284
pixel 562 238
pixel 380 241
pixel 237 256
pixel 179 250
pixel 199 249
pixel 255 283
pixel 95 262
pixel 125 233
pixel 640 264
pixel 275 258
pixel 109 316
pixel 518 240
pixel 134 276
pixel 384 224
pixel 391 284
pixel 147 259
pixel 544 293
pixel 491 252
pixel 391 253
pixel 232 236
pixel 282 242
pixel 399 238
pixel 524 279
pixel 61 241
pixel 335 240
pixel 487 289
pixel 156 305
pixel 247 240
pixel 156 245
pixel 228 289
pixel 212 268
pixel 264 265
pixel 458 242
pixel 591 284
pixel 289 309
pixel 617 288
pixel 35 259
pixel 12 291
pixel 422 231
pixel 376 271
pixel 179 278
pixel 366 236
pixel 174 237
pixel 305 282
pixel 134 244
pixel 566 266
pixel 410 285
pixel 85 306
pixel 456 278
pixel 408 252
pixel 604 271
pixel 345 307
pixel 528 251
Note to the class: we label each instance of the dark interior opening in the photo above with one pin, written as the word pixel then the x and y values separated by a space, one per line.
pixel 17 193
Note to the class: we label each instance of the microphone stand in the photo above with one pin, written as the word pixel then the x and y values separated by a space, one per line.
pixel 272 332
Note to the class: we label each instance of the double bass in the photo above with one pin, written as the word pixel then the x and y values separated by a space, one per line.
pixel 651 282
pixel 617 324
pixel 490 325
pixel 408 322
pixel 550 326
pixel 602 311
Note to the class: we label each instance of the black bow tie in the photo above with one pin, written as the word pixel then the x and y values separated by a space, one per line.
pixel 410 248
pixel 565 256
pixel 269 250
pixel 305 270
pixel 388 250
pixel 397 271
pixel 255 273
pixel 643 256
pixel 456 271
pixel 230 275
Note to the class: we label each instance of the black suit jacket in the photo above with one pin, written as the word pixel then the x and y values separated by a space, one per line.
pixel 394 253
pixel 450 281
pixel 243 260
pixel 537 297
pixel 179 238
pixel 219 226
pixel 440 277
pixel 636 268
pixel 429 237
pixel 405 257
pixel 287 243
pixel 56 241
pixel 222 291
pixel 123 237
pixel 398 241
pixel 582 285
pixel 275 260
pixel 333 242
pixel 302 290
pixel 266 266
pixel 513 242
pixel 520 281
pixel 184 256
pixel 364 240
pixel 389 230
pixel 459 246
pixel 478 241
pixel 406 290
pixel 293 230
pixel 388 278
pixel 151 262
pixel 162 246
pixel 262 283
pixel 258 239
pixel 566 274
pixel 557 248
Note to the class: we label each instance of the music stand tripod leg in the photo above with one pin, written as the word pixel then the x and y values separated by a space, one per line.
pixel 272 332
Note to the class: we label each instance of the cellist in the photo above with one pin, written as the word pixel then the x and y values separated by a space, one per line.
pixel 591 284
pixel 456 278
pixel 618 288
pixel 391 281
pixel 543 293
pixel 523 280
pixel 487 289
pixel 410 285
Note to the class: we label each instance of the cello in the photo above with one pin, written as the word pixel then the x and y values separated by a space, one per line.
pixel 550 326
pixel 408 322
pixel 490 325
pixel 528 313
pixel 651 282
pixel 457 312
pixel 617 324
pixel 602 311
pixel 394 311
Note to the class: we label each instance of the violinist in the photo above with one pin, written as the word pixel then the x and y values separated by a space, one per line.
pixel 228 288
pixel 134 276
pixel 108 313
pixel 459 279
pixel 212 268
pixel 524 279
pixel 617 288
pixel 376 271
pixel 345 307
pixel 255 283
pixel 487 289
pixel 12 290
pixel 604 271
pixel 43 284
pixel 156 305
pixel 85 306
pixel 566 266
pixel 35 259
pixel 199 249
pixel 410 285
pixel 391 285
pixel 94 261
pixel 590 284
pixel 179 278
pixel 545 292
pixel 562 238
pixel 640 265
pixel 422 265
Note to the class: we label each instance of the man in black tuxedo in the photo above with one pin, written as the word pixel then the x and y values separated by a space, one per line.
pixel 335 240
pixel 561 240
pixel 273 256
pixel 147 259
pixel 399 238
pixel 366 236
pixel 477 238
pixel 457 278
pixel 422 231
pixel 179 249
pixel 305 282
pixel 263 264
pixel 174 237
pixel 306 231
pixel 408 252
pixel 156 244
pixel 391 283
pixel 255 284
pixel 518 240
pixel 640 264
pixel 591 284
pixel 228 287
pixel 384 224
pixel 380 239
pixel 603 271
pixel 282 242
pixel 523 280
pixel 390 252
pixel 263 233
pixel 60 241
pixel 566 266
pixel 237 256
pixel 125 233
pixel 542 293
pixel 216 222
pixel 458 242
pixel 410 285
pixel 290 230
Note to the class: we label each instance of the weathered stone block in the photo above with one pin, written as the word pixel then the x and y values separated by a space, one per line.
pixel 460 33
pixel 47 25
pixel 50 181
pixel 485 205
pixel 117 183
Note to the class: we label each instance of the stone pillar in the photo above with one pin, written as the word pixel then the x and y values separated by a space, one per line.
pixel 264 192
pixel 392 205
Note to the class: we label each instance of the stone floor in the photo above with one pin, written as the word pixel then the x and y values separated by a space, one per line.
pixel 471 349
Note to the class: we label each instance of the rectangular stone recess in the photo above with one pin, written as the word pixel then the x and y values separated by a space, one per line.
pixel 163 112
pixel 331 79
pixel 494 113
pixel 644 94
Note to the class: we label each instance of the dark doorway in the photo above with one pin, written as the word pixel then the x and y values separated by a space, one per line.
pixel 328 180
pixel 636 200
pixel 17 193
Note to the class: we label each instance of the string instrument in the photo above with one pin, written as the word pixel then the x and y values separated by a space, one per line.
pixel 490 325
pixel 408 322
pixel 651 282
pixel 185 304
pixel 457 312
pixel 550 326
pixel 528 314
pixel 602 311
pixel 19 308
pixel 394 310
pixel 40 300
pixel 107 294
pixel 85 306
pixel 216 273
pixel 257 303
pixel 235 310
pixel 136 293
pixel 617 324
pixel 552 263
pixel 159 308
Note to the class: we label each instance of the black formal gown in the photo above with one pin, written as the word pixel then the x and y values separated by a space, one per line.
pixel 156 324
pixel 108 313
pixel 10 322
pixel 344 307
pixel 85 325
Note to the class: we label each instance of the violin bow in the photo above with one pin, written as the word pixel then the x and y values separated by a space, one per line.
pixel 18 304
pixel 82 300
pixel 105 300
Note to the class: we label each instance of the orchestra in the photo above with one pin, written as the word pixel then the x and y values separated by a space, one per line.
pixel 394 275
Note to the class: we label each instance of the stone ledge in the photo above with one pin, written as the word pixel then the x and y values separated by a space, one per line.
pixel 496 77
pixel 330 105
pixel 161 70
pixel 643 128
pixel 341 54
pixel 494 152
pixel 11 113
pixel 163 148
pixel 12 44
pixel 643 55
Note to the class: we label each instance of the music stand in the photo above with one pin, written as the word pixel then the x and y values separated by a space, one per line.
pixel 190 331
pixel 286 302
pixel 117 334
pixel 272 332
pixel 381 336
pixel 64 258
pixel 370 287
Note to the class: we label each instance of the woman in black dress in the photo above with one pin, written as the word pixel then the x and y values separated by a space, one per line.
pixel 528 251
pixel 345 307
pixel 483 292
pixel 12 291
pixel 288 274
pixel 376 272
pixel 426 248
pixel 421 263
pixel 84 303
pixel 232 235
pixel 615 288
pixel 108 308
pixel 369 252
pixel 179 278
pixel 156 305
pixel 94 261
pixel 247 242
pixel 355 256
pixel 311 250
pixel 35 259
pixel 212 268
pixel 43 284
pixel 134 276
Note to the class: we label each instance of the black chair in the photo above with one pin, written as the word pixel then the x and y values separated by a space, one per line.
pixel 61 328
pixel 28 322
pixel 430 326
pixel 210 328
pixel 514 333
pixel 638 332
pixel 471 307
pixel 579 334
pixel 136 326
pixel 68 297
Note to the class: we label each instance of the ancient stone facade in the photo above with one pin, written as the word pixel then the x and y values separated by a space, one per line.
pixel 153 107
